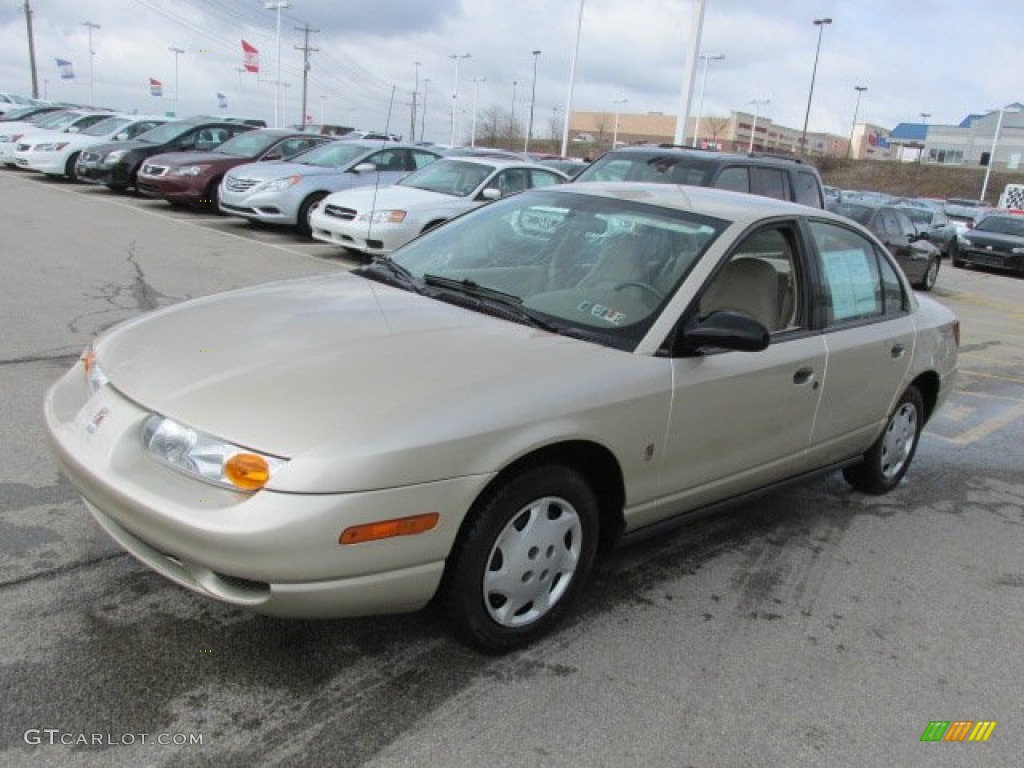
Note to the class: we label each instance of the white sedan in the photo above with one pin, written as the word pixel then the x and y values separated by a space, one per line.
pixel 55 154
pixel 466 421
pixel 377 221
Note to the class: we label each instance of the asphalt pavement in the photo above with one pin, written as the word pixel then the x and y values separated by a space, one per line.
pixel 814 627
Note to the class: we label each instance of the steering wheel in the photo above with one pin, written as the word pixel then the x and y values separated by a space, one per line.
pixel 643 286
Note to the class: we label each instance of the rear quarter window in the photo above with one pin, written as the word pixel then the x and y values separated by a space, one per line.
pixel 807 189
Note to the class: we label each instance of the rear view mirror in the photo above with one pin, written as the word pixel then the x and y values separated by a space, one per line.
pixel 365 168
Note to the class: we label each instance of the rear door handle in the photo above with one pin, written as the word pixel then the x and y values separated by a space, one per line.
pixel 897 351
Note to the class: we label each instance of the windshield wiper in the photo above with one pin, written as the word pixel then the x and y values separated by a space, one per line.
pixel 495 301
pixel 384 269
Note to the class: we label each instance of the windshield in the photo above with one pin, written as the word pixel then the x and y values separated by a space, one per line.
pixel 665 168
pixel 1002 225
pixel 165 133
pixel 59 120
pixel 332 155
pixel 859 213
pixel 104 127
pixel 248 144
pixel 449 177
pixel 595 267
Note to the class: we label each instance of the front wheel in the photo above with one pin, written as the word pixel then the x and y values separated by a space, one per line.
pixel 305 210
pixel 522 559
pixel 930 276
pixel 888 459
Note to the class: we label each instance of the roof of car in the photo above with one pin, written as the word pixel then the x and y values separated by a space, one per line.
pixel 494 161
pixel 706 154
pixel 735 206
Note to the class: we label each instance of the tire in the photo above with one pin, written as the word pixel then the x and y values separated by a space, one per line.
pixel 69 167
pixel 954 256
pixel 523 556
pixel 888 459
pixel 302 222
pixel 930 276
pixel 211 198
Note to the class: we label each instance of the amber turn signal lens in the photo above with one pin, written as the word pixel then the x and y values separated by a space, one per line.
pixel 247 470
pixel 88 359
pixel 386 529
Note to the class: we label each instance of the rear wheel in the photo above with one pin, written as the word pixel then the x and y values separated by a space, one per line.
pixel 888 459
pixel 522 558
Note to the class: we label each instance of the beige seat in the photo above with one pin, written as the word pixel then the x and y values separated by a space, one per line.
pixel 748 285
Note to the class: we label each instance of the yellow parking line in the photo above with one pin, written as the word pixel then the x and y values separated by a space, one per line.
pixel 980 375
pixel 988 427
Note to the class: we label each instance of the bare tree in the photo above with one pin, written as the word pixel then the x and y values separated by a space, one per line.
pixel 716 126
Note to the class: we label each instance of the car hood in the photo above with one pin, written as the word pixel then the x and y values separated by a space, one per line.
pixel 129 145
pixel 345 361
pixel 980 237
pixel 181 159
pixel 395 196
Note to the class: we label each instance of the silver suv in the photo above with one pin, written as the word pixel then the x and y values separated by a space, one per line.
pixel 766 175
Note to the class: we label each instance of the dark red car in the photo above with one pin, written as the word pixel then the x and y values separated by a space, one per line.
pixel 192 178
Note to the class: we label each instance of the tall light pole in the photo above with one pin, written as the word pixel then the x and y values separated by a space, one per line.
pixel 177 52
pixel 533 101
pixel 92 80
pixel 820 24
pixel 323 110
pixel 423 116
pixel 992 151
pixel 924 141
pixel 572 83
pixel 278 5
pixel 415 94
pixel 700 100
pixel 615 130
pixel 686 91
pixel 554 124
pixel 753 128
pixel 455 93
pixel 476 97
pixel 512 114
pixel 853 128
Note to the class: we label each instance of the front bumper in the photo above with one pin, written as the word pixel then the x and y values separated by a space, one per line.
pixel 118 175
pixel 984 257
pixel 272 552
pixel 382 240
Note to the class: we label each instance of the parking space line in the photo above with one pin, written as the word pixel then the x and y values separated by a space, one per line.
pixel 986 428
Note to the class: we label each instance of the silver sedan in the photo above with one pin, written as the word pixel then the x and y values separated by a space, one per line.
pixel 466 421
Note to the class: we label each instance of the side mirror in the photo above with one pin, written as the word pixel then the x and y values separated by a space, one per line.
pixel 725 329
pixel 273 156
pixel 365 168
pixel 491 193
pixel 73 129
pixel 121 136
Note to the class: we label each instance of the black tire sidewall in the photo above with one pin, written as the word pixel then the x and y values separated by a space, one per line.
pixel 867 476
pixel 461 597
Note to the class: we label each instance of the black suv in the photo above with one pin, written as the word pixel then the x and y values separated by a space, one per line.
pixel 117 164
pixel 767 175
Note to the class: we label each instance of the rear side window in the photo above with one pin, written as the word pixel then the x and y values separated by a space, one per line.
pixel 858 282
pixel 736 179
pixel 807 189
pixel 769 182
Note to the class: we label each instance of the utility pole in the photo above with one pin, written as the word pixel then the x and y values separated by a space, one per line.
pixel 31 51
pixel 306 50
pixel 415 93
pixel 92 55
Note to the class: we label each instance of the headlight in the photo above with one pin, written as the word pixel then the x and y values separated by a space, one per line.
pixel 11 137
pixel 382 217
pixel 93 375
pixel 190 170
pixel 1018 249
pixel 205 457
pixel 115 156
pixel 278 184
pixel 54 147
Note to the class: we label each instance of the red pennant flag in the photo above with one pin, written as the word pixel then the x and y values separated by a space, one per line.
pixel 250 57
pixel 156 88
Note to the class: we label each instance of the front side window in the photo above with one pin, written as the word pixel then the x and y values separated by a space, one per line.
pixel 769 182
pixel 736 179
pixel 858 282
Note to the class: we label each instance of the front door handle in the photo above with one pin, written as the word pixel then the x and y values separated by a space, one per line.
pixel 897 351
pixel 803 375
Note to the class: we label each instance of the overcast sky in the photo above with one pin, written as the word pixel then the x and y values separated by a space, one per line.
pixel 946 58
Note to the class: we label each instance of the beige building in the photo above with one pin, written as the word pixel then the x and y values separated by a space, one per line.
pixel 594 132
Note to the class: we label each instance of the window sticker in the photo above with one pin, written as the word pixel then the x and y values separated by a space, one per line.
pixel 851 283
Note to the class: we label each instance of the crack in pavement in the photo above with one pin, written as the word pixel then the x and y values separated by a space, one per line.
pixel 60 570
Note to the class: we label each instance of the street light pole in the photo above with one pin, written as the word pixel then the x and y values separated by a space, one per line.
pixel 700 100
pixel 820 24
pixel 533 101
pixel 992 152
pixel 455 93
pixel 177 52
pixel 512 115
pixel 924 141
pixel 423 115
pixel 853 128
pixel 476 97
pixel 92 80
pixel 572 83
pixel 415 94
pixel 278 5
pixel 615 130
pixel 753 128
